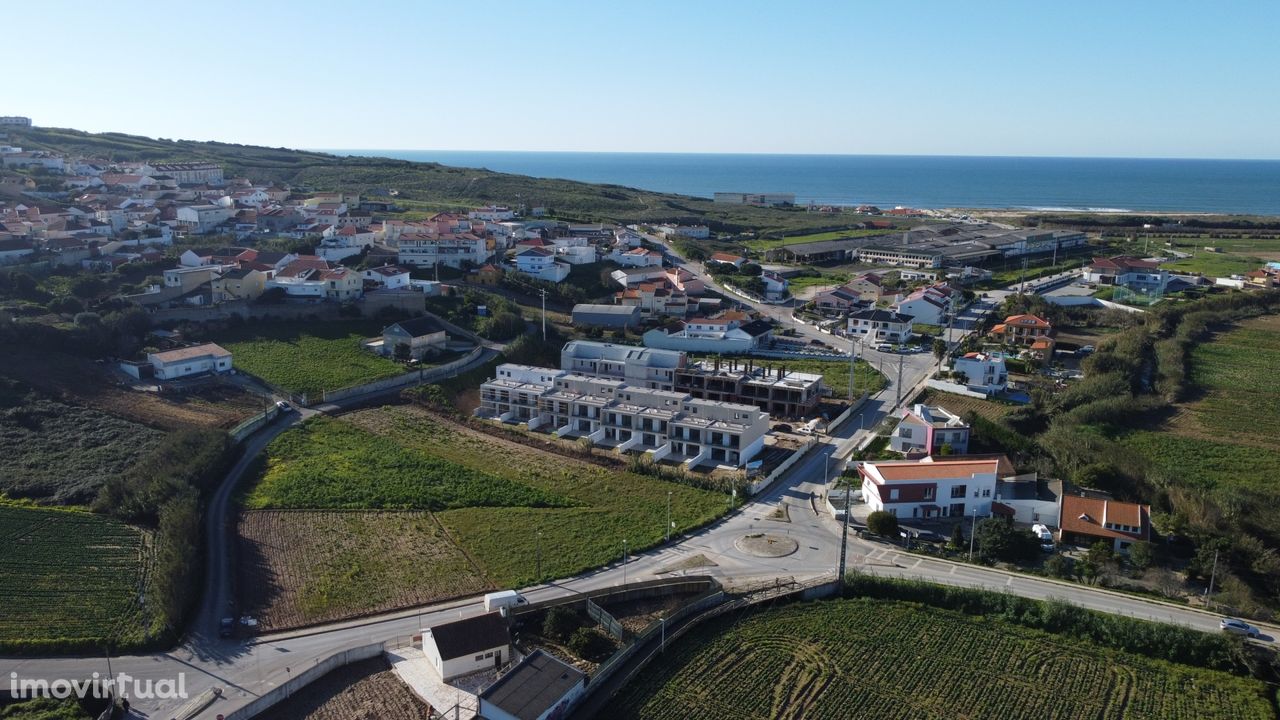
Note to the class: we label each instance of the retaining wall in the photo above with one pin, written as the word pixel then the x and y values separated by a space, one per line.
pixel 304 678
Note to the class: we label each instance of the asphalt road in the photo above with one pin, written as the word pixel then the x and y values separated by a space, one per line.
pixel 245 670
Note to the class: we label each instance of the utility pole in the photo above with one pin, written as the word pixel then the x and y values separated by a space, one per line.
pixel 852 377
pixel 844 533
pixel 899 383
pixel 973 531
pixel 624 561
pixel 544 314
pixel 1212 576
pixel 539 556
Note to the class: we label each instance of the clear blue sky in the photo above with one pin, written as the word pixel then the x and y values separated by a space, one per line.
pixel 1117 78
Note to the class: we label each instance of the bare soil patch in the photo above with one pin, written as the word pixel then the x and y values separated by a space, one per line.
pixel 300 568
pixel 367 690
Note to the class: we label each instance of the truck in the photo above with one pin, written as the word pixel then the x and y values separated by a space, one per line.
pixel 1045 536
pixel 502 600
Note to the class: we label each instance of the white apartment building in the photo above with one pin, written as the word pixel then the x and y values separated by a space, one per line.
pixel 930 488
pixel 455 251
pixel 875 325
pixel 638 366
pixel 492 213
pixel 202 219
pixel 668 425
pixel 541 263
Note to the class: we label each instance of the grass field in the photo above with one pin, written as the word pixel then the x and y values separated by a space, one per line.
pixel 835 373
pixel 69 575
pixel 880 659
pixel 491 497
pixel 309 357
pixel 1225 436
pixel 56 452
pixel 1214 264
pixel 298 568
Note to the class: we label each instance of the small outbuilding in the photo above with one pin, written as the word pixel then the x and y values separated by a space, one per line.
pixel 613 317
pixel 539 687
pixel 421 336
pixel 466 646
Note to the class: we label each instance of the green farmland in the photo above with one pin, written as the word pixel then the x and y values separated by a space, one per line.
pixel 69 580
pixel 885 659
pixel 492 497
pixel 309 357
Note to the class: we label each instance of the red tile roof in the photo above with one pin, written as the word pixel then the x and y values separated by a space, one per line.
pixel 1088 516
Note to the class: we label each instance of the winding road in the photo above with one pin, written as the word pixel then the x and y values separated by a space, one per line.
pixel 243 671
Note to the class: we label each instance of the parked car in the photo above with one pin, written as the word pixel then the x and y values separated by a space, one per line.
pixel 283 406
pixel 884 347
pixel 1238 627
pixel 1086 350
pixel 226 627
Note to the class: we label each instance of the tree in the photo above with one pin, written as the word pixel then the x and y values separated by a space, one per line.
pixel 66 305
pixel 883 523
pixel 998 539
pixel 1058 566
pixel 939 348
pixel 559 623
pixel 957 536
pixel 87 287
pixel 401 352
pixel 1142 554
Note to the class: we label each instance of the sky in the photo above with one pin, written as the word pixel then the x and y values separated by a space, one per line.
pixel 1126 78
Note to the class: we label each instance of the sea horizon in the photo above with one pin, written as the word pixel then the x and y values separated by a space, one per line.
pixel 1024 183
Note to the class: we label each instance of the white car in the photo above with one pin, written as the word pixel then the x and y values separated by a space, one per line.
pixel 1238 627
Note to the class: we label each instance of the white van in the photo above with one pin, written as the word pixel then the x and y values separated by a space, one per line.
pixel 884 347
pixel 502 600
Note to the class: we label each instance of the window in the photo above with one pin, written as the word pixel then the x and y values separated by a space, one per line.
pixel 904 431
pixel 489 654
pixel 479 658
pixel 893 494
pixel 986 492
pixel 958 491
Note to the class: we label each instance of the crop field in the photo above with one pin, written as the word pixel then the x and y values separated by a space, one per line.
pixel 963 405
pixel 300 567
pixel 69 575
pixel 492 497
pixel 366 690
pixel 880 659
pixel 1223 437
pixel 309 358
pixel 56 452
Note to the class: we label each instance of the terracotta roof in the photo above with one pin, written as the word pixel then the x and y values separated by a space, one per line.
pixel 1027 321
pixel 935 470
pixel 1087 516
pixel 727 257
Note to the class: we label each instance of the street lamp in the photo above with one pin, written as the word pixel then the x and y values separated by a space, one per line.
pixel 664 634
pixel 972 531
pixel 539 556
pixel 624 561
pixel 668 516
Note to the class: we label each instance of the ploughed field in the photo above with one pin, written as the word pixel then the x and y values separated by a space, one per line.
pixel 882 659
pixel 461 512
pixel 366 690
pixel 69 578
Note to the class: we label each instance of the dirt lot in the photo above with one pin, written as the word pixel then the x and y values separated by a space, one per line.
pixel 962 405
pixel 82 382
pixel 296 567
pixel 366 690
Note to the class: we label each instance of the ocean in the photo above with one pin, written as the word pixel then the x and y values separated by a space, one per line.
pixel 1092 184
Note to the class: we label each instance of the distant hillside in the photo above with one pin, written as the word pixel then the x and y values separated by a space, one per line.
pixel 427 186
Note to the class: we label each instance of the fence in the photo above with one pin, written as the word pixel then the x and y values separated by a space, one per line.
pixel 607 621
pixel 784 466
pixel 304 678
pixel 251 425
pixel 424 375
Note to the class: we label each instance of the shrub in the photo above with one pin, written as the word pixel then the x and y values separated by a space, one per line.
pixel 560 623
pixel 882 523
pixel 589 644
pixel 998 539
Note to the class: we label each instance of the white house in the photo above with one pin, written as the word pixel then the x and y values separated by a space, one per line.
pixel 930 488
pixel 929 428
pixel 202 219
pixel 391 277
pixel 194 360
pixel 697 232
pixel 469 645
pixel 577 254
pixel 636 257
pixel 775 286
pixel 449 249
pixel 983 372
pixel 1128 272
pixel 539 687
pixel 541 263
pixel 929 306
pixel 492 213
pixel 875 326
